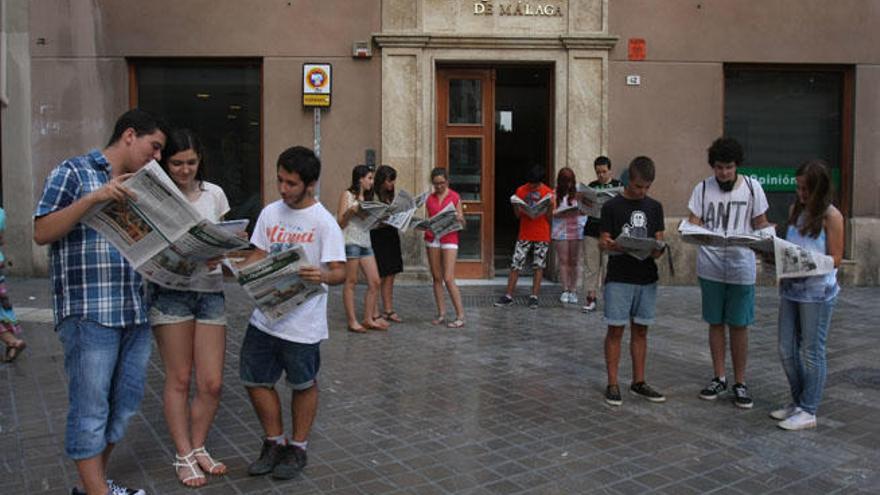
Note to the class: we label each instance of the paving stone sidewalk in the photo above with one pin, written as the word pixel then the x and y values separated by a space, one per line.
pixel 512 403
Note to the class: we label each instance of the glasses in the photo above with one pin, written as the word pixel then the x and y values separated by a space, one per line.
pixel 191 162
pixel 437 184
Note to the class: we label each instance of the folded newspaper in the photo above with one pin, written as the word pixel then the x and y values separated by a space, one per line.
pixel 160 233
pixel 442 223
pixel 592 199
pixel 639 247
pixel 541 207
pixel 790 259
pixel 274 282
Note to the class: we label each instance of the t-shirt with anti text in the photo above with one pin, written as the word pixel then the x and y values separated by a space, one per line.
pixel 591 228
pixel 279 228
pixel 641 218
pixel 728 212
pixel 533 229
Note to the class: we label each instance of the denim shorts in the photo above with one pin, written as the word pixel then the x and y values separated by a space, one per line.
pixel 625 302
pixel 169 306
pixel 263 358
pixel 727 304
pixel 106 369
pixel 355 251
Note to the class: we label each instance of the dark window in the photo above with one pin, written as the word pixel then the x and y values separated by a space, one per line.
pixel 784 116
pixel 221 101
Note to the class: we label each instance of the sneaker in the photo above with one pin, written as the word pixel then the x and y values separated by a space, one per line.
pixel 741 397
pixel 645 391
pixel 293 460
pixel 573 297
pixel 270 456
pixel 590 306
pixel 612 395
pixel 533 302
pixel 77 491
pixel 563 298
pixel 117 489
pixel 800 420
pixel 715 388
pixel 504 301
pixel 785 412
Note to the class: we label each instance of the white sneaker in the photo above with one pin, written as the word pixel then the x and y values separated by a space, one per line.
pixel 572 297
pixel 563 298
pixel 785 412
pixel 799 421
pixel 589 307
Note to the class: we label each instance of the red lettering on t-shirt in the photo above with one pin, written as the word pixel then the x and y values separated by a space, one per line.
pixel 278 234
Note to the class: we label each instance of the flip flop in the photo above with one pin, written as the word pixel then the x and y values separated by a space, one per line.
pixel 439 320
pixel 456 323
pixel 13 350
pixel 392 316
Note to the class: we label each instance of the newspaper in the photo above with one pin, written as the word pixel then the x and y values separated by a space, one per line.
pixel 533 211
pixel 274 282
pixel 566 206
pixel 592 199
pixel 160 233
pixel 400 212
pixel 444 222
pixel 790 259
pixel 638 247
pixel 370 214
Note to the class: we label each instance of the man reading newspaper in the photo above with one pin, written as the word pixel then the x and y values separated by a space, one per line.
pixel 291 344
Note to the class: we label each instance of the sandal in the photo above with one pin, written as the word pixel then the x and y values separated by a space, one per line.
pixel 357 329
pixel 203 458
pixel 13 350
pixel 189 462
pixel 456 323
pixel 392 316
pixel 439 320
pixel 374 326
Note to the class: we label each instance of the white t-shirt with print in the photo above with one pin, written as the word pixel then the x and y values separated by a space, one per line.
pixel 728 212
pixel 281 227
pixel 212 205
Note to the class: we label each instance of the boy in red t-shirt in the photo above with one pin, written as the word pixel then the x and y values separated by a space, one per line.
pixel 534 235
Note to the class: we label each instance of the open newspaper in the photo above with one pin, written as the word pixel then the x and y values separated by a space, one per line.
pixel 161 234
pixel 400 212
pixel 638 247
pixel 442 223
pixel 274 282
pixel 370 214
pixel 790 259
pixel 592 199
pixel 541 207
pixel 565 206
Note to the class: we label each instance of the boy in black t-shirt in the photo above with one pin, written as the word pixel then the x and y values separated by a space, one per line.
pixel 595 260
pixel 631 284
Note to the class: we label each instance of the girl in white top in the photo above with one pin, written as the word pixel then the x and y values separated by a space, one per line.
pixel 190 327
pixel 358 251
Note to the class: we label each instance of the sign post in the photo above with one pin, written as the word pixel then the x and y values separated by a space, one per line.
pixel 316 89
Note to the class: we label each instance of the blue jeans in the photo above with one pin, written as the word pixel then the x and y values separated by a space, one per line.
pixel 169 306
pixel 803 330
pixel 630 302
pixel 106 370
pixel 264 357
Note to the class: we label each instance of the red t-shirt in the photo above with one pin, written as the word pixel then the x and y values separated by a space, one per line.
pixel 533 229
pixel 434 205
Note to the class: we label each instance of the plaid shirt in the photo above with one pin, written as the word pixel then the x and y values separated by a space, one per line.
pixel 90 278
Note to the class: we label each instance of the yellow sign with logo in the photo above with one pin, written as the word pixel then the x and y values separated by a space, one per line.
pixel 317 85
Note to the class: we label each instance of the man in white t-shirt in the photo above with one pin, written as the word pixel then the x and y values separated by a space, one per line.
pixel 291 344
pixel 728 203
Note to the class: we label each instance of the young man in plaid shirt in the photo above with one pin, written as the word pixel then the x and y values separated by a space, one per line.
pixel 100 315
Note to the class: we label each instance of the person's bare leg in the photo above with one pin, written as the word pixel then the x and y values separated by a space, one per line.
pixel 351 274
pixel 267 405
pixel 638 349
pixel 511 281
pixel 91 474
pixel 371 271
pixel 612 352
pixel 175 342
pixel 536 281
pixel 304 408
pixel 388 294
pixel 449 257
pixel 739 352
pixel 209 352
pixel 718 348
pixel 436 265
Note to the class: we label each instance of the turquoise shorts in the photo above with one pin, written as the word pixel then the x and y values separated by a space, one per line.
pixel 730 304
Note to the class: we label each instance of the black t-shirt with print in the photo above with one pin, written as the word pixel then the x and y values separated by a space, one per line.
pixel 642 218
pixel 591 228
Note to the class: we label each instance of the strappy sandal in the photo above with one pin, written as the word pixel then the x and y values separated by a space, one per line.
pixel 456 323
pixel 439 320
pixel 189 462
pixel 203 457
pixel 13 350
pixel 392 316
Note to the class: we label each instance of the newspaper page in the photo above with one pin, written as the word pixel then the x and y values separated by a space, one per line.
pixel 593 199
pixel 274 282
pixel 402 209
pixel 444 222
pixel 370 214
pixel 567 206
pixel 759 240
pixel 795 261
pixel 638 247
pixel 159 232
pixel 535 210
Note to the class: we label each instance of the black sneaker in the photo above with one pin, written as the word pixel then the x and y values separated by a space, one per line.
pixel 293 460
pixel 741 397
pixel 270 456
pixel 533 302
pixel 117 489
pixel 715 388
pixel 612 395
pixel 504 301
pixel 645 391
pixel 77 491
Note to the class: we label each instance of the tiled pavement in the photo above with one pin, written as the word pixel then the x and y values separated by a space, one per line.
pixel 510 404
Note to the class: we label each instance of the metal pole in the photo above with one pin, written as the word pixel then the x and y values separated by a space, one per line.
pixel 317 124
